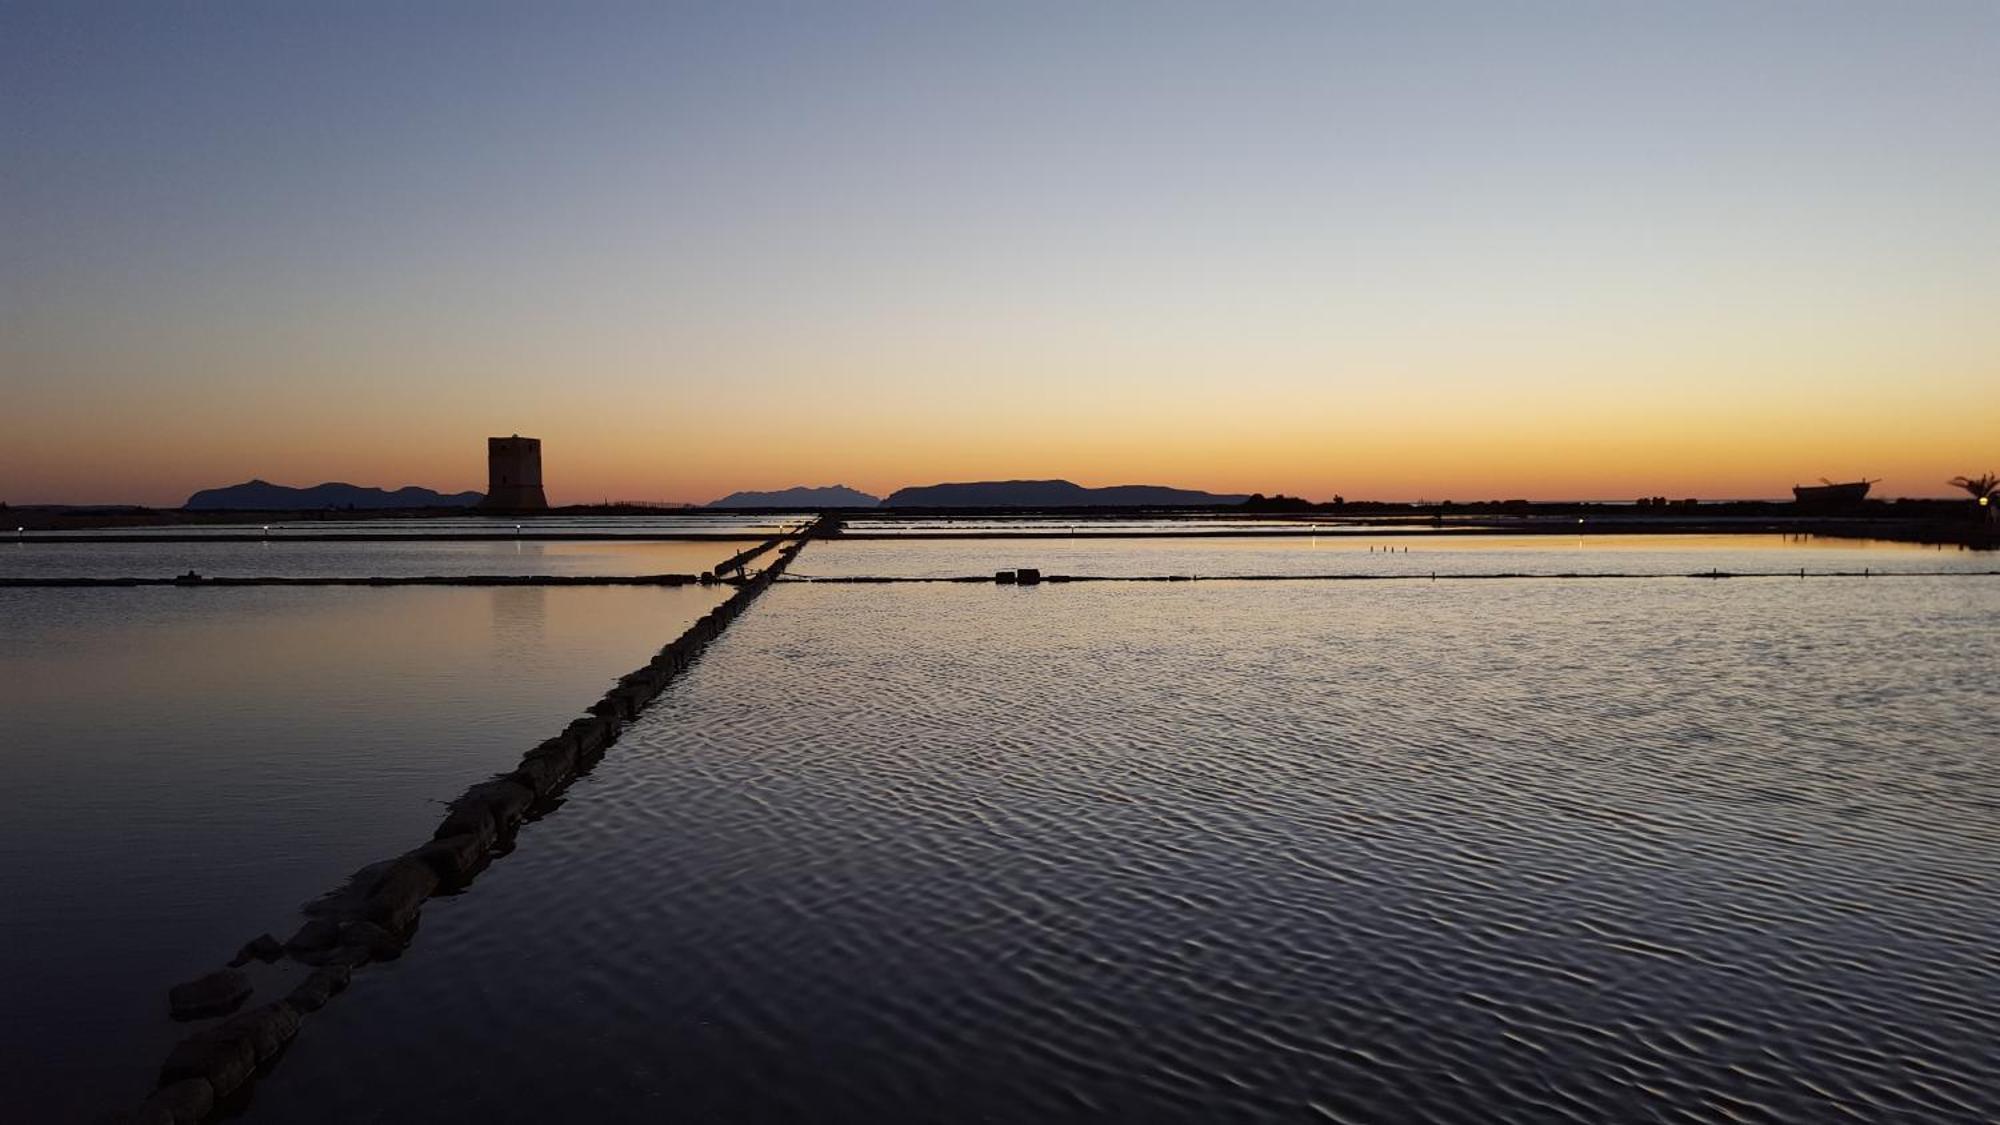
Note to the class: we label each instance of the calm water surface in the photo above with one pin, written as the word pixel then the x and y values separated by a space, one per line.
pixel 282 559
pixel 1379 556
pixel 1467 852
pixel 185 767
pixel 1177 524
pixel 689 523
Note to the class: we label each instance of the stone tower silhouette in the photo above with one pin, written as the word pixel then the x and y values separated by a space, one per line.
pixel 514 474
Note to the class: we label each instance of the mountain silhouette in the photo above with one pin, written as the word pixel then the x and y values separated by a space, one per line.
pixel 830 496
pixel 1050 494
pixel 259 495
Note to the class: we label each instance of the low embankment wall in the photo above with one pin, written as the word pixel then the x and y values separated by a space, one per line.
pixel 372 916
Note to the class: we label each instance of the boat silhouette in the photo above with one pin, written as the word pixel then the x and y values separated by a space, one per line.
pixel 1827 492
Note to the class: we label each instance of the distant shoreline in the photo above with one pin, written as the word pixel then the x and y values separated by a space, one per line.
pixel 1921 521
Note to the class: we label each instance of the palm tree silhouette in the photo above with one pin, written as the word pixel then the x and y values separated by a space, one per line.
pixel 1981 489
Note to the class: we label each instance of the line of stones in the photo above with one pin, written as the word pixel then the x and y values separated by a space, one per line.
pixel 737 560
pixel 374 914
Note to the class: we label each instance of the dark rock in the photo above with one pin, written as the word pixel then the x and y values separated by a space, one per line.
pixel 218 992
pixel 398 895
pixel 339 957
pixel 380 944
pixel 542 776
pixel 1004 577
pixel 317 934
pixel 263 947
pixel 645 679
pixel 468 820
pixel 266 1028
pixel 591 735
pixel 350 899
pixel 1027 576
pixel 559 750
pixel 506 801
pixel 185 1102
pixel 402 876
pixel 321 985
pixel 561 753
pixel 309 995
pixel 588 758
pixel 454 858
pixel 633 698
pixel 224 1061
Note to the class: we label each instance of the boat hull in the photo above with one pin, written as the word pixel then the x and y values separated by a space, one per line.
pixel 1852 492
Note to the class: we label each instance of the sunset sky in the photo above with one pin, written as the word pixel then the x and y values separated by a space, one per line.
pixel 1395 251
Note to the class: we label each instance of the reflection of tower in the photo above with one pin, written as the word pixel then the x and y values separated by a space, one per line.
pixel 514 474
pixel 520 618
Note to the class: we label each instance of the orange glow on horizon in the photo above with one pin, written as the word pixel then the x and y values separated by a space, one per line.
pixel 1548 455
pixel 1325 250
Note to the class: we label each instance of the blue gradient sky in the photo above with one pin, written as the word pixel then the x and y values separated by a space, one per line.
pixel 1397 250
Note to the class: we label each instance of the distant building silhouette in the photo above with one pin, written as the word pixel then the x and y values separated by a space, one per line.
pixel 514 474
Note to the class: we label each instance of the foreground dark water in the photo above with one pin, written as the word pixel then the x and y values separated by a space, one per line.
pixel 185 767
pixel 280 558
pixel 1475 852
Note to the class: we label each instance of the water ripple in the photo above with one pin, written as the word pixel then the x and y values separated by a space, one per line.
pixel 1497 854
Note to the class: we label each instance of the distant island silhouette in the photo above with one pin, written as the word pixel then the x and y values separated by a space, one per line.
pixel 1050 494
pixel 261 495
pixel 981 494
pixel 801 496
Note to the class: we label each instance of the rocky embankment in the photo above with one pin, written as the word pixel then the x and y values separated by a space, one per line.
pixel 373 915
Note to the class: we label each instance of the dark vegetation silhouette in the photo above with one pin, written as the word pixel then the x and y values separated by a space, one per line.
pixel 1258 502
pixel 1981 489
